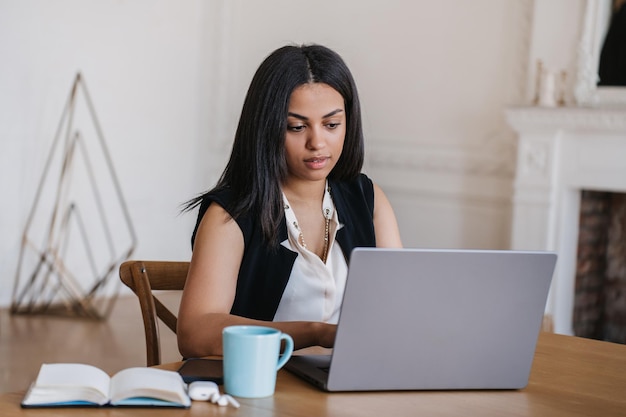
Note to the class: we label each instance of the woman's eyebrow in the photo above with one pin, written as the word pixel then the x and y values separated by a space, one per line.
pixel 332 113
pixel 299 116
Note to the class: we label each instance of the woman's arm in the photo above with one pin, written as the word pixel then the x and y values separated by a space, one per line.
pixel 385 223
pixel 210 291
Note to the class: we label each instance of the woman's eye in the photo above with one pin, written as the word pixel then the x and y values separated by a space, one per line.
pixel 332 125
pixel 296 128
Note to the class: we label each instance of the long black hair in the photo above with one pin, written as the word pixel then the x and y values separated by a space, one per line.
pixel 257 164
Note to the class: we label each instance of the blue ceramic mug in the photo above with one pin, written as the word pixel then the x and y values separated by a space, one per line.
pixel 252 358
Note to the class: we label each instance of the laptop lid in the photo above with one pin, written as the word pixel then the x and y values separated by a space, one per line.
pixel 418 319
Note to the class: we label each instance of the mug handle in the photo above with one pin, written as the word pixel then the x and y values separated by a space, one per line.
pixel 282 360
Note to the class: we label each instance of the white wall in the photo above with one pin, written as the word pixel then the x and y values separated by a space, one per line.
pixel 434 78
pixel 168 80
pixel 140 60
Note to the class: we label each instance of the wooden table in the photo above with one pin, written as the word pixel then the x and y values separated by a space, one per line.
pixel 570 377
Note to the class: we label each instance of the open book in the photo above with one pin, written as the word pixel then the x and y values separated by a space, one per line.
pixel 75 384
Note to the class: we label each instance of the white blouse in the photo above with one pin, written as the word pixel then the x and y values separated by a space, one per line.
pixel 315 289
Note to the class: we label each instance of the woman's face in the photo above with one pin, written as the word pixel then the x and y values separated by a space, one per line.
pixel 316 129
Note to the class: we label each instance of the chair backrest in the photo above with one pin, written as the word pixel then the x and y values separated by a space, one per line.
pixel 144 277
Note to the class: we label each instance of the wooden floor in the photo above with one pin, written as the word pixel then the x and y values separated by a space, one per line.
pixel 27 341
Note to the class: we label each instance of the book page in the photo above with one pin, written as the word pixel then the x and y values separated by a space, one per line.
pixel 66 382
pixel 148 383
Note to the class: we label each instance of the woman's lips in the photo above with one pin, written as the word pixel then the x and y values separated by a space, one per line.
pixel 317 162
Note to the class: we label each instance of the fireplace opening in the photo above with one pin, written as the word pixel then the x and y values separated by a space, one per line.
pixel 600 289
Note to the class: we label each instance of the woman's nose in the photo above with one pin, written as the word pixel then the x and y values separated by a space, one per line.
pixel 315 139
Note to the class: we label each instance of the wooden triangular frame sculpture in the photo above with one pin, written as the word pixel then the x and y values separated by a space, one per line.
pixel 48 285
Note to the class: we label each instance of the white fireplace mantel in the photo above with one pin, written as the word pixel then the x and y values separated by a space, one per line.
pixel 562 151
pixel 608 119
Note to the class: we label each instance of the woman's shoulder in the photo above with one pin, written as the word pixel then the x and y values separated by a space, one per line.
pixel 356 192
pixel 361 184
pixel 221 196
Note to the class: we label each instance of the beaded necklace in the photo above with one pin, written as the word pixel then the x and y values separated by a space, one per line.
pixel 327 216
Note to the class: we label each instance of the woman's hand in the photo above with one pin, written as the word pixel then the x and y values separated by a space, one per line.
pixel 326 334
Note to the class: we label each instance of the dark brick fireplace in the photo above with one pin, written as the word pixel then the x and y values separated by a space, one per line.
pixel 600 285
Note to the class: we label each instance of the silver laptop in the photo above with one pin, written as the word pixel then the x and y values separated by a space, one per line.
pixel 415 319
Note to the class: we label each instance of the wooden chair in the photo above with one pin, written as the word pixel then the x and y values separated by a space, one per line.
pixel 144 277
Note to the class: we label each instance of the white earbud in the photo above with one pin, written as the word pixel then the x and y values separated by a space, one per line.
pixel 227 399
pixel 215 397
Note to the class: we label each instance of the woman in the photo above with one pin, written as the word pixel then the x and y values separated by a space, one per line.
pixel 273 238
